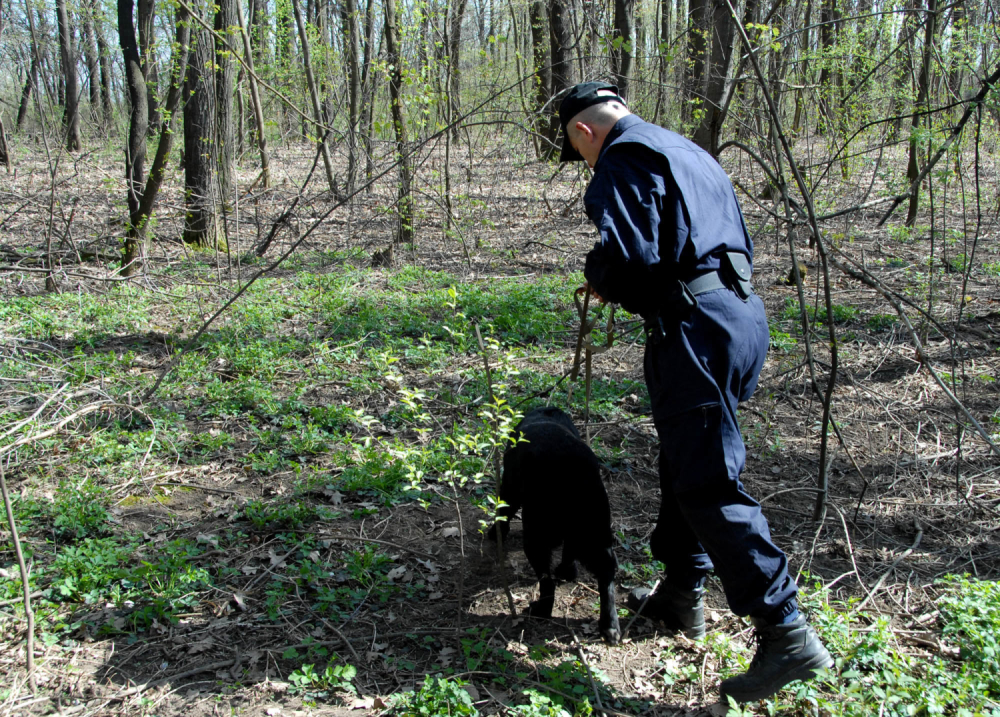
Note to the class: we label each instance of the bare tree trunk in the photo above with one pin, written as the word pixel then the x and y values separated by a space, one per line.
pixel 804 53
pixel 404 234
pixel 104 60
pixel 135 148
pixel 543 73
pixel 258 109
pixel 694 77
pixel 560 43
pixel 959 43
pixel 93 67
pixel 349 18
pixel 146 16
pixel 314 96
pixel 201 220
pixel 623 45
pixel 454 55
pixel 225 76
pixel 368 89
pixel 71 114
pixel 30 82
pixel 717 82
pixel 923 93
pixel 163 147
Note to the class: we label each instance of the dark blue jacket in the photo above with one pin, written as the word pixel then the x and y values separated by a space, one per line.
pixel 665 210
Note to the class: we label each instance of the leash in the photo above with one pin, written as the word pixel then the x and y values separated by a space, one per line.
pixel 588 349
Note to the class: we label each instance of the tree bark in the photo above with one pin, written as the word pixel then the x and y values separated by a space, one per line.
pixel 135 147
pixel 623 45
pixel 314 96
pixel 923 93
pixel 201 220
pixel 71 114
pixel 146 16
pixel 225 76
pixel 404 233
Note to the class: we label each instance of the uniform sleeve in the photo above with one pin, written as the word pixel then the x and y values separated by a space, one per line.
pixel 631 204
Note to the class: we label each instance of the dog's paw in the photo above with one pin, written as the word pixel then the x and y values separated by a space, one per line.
pixel 540 608
pixel 612 636
pixel 566 571
pixel 610 631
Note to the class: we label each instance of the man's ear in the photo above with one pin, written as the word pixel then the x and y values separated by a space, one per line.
pixel 584 130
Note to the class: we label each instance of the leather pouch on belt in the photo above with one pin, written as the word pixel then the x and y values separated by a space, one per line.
pixel 736 268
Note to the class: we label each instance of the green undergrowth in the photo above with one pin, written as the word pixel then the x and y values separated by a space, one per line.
pixel 337 397
pixel 341 394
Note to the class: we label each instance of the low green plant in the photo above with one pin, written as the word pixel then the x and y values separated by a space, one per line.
pixel 78 511
pixel 436 697
pixel 335 678
pixel 971 612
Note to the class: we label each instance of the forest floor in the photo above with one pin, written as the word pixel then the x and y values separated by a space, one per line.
pixel 293 521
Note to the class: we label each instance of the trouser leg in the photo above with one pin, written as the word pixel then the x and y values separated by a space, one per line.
pixel 696 377
pixel 673 542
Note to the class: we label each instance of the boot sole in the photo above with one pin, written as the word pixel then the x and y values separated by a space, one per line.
pixel 806 671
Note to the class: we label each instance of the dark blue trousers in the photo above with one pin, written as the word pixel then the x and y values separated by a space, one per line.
pixel 696 373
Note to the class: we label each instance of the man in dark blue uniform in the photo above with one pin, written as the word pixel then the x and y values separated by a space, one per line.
pixel 674 249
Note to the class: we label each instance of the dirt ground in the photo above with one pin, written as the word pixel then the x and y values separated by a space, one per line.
pixel 911 497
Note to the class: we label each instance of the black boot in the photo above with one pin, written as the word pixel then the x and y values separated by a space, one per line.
pixel 785 653
pixel 680 610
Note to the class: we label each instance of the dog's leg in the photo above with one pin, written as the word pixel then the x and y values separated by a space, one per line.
pixel 541 561
pixel 604 565
pixel 566 569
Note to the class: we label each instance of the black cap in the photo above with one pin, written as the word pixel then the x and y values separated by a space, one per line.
pixel 579 98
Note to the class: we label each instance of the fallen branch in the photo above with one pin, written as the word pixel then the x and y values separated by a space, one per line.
pixel 897 561
pixel 29 643
pixel 869 280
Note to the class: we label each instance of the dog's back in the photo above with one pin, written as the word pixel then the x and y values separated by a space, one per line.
pixel 558 480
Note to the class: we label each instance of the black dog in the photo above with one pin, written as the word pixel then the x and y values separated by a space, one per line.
pixel 555 479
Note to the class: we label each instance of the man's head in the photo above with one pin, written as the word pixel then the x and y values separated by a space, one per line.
pixel 587 114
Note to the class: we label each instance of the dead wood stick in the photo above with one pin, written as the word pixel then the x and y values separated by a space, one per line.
pixel 29 643
pixel 91 408
pixel 897 561
pixel 590 673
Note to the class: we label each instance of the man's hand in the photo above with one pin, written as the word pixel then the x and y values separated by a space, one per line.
pixel 588 289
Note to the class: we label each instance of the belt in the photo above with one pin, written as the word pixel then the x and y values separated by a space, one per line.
pixel 683 301
pixel 703 283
